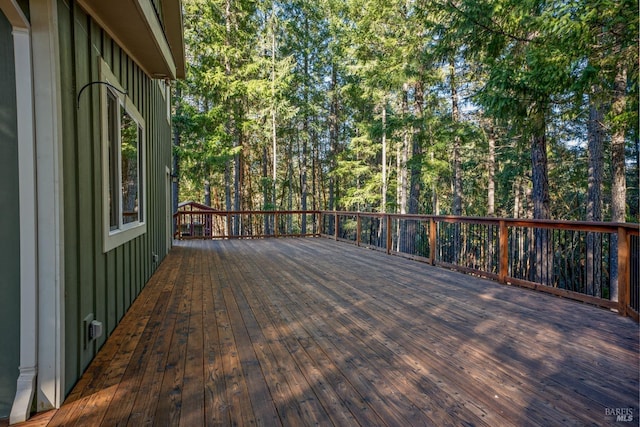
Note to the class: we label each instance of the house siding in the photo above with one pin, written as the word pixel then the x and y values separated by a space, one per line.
pixel 98 283
pixel 9 224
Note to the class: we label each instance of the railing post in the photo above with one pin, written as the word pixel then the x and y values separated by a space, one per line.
pixel 228 225
pixel 433 232
pixel 389 240
pixel 503 252
pixel 624 293
pixel 335 225
pixel 358 231
pixel 275 225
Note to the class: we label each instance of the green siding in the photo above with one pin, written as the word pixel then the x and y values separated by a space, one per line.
pixel 104 285
pixel 9 225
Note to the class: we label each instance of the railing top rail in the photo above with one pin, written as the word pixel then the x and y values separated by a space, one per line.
pixel 181 210
pixel 517 222
pixel 252 212
pixel 608 227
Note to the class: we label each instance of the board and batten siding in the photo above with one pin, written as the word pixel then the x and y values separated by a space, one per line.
pixel 96 283
pixel 9 224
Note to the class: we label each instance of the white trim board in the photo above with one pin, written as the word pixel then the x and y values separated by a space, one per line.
pixel 26 383
pixel 48 130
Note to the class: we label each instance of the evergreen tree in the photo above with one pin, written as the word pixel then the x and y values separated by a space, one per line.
pixel 492 107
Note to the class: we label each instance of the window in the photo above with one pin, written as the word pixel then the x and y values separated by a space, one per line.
pixel 123 165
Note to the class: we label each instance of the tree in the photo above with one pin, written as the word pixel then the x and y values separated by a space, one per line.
pixel 461 106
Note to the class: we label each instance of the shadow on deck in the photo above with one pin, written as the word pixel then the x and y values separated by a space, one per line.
pixel 313 332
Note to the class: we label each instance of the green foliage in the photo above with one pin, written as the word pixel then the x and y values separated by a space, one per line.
pixel 336 78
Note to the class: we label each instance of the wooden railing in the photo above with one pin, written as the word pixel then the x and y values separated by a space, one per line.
pixel 210 224
pixel 596 263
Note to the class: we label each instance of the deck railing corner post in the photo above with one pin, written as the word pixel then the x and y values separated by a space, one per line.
pixel 179 226
pixel 624 293
pixel 433 241
pixel 503 235
pixel 389 239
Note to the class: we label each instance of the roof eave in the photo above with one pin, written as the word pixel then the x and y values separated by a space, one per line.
pixel 135 26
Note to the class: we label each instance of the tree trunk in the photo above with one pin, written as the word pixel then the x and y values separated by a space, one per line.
pixel 303 180
pixel 237 182
pixel 230 128
pixel 333 135
pixel 403 175
pixel 207 193
pixel 333 142
pixel 540 194
pixel 435 202
pixel 618 185
pixel 530 239
pixel 266 200
pixel 227 185
pixel 618 178
pixel 516 198
pixel 491 169
pixel 456 208
pixel 383 198
pixel 305 135
pixel 416 152
pixel 492 260
pixel 290 186
pixel 399 181
pixel 595 131
pixel 539 167
pixel 403 186
pixel 314 176
pixel 274 133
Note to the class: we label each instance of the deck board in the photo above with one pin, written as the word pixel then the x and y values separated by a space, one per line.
pixel 313 332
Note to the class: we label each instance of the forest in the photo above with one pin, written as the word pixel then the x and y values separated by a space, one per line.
pixel 507 108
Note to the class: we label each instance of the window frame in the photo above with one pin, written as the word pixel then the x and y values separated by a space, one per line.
pixel 123 232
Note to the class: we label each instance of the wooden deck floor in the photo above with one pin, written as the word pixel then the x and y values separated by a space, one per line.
pixel 311 332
